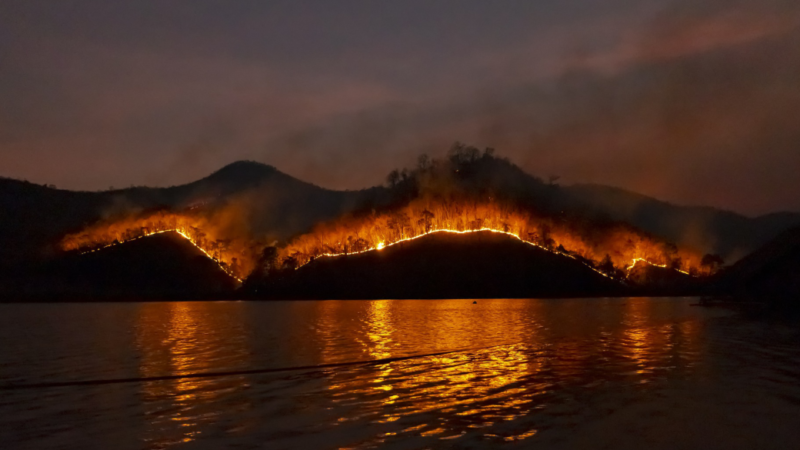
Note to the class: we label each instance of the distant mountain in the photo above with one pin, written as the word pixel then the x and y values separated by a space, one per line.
pixel 261 201
pixel 706 229
pixel 771 273
pixel 440 265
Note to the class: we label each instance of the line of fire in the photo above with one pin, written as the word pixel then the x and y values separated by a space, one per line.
pixel 611 250
pixel 466 192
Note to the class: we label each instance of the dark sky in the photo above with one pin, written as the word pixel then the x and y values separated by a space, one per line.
pixel 691 101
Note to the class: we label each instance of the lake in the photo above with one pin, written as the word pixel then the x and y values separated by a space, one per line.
pixel 522 373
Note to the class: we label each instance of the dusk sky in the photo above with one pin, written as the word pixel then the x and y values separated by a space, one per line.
pixel 693 104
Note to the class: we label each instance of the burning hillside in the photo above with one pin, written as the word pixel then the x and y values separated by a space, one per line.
pixel 464 193
pixel 440 265
pixel 610 248
pixel 234 255
pixel 164 266
pixel 469 192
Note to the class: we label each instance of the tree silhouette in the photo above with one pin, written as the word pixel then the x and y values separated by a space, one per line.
pixel 290 263
pixel 460 154
pixel 544 236
pixel 712 262
pixel 235 268
pixel 222 246
pixel 423 162
pixel 360 244
pixel 393 178
pixel 267 262
pixel 200 238
pixel 427 220
pixel 606 265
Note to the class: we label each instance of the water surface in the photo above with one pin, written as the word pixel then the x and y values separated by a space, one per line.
pixel 613 373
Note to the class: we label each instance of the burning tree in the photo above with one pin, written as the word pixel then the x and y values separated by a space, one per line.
pixel 441 195
pixel 610 249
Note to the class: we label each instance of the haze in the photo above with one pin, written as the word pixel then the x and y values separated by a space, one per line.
pixel 694 104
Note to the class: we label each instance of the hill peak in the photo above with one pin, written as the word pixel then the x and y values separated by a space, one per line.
pixel 236 176
pixel 244 168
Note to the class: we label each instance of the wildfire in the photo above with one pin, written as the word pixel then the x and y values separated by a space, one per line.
pixel 382 245
pixel 235 258
pixel 181 233
pixel 467 192
pixel 611 250
pixel 663 266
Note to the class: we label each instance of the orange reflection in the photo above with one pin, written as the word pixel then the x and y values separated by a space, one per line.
pixel 477 386
pixel 180 338
pixel 380 329
pixel 497 390
pixel 379 333
pixel 654 346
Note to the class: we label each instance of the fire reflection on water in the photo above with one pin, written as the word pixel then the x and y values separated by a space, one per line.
pixel 653 347
pixel 552 373
pixel 379 329
pixel 495 392
pixel 474 387
pixel 498 371
pixel 176 340
pixel 379 334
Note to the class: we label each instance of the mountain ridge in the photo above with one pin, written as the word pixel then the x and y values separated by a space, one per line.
pixel 280 205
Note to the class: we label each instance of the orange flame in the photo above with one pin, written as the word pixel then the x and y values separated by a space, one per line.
pixel 234 256
pixel 623 245
pixel 605 248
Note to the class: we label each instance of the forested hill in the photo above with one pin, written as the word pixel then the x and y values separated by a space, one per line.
pixel 274 206
pixel 772 273
pixel 710 230
pixel 34 217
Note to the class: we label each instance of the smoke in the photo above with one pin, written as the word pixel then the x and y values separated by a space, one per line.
pixel 689 101
pixel 696 106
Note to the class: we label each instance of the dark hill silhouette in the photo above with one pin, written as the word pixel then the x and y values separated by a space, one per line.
pixel 274 206
pixel 158 267
pixel 707 229
pixel 646 279
pixel 440 265
pixel 770 274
